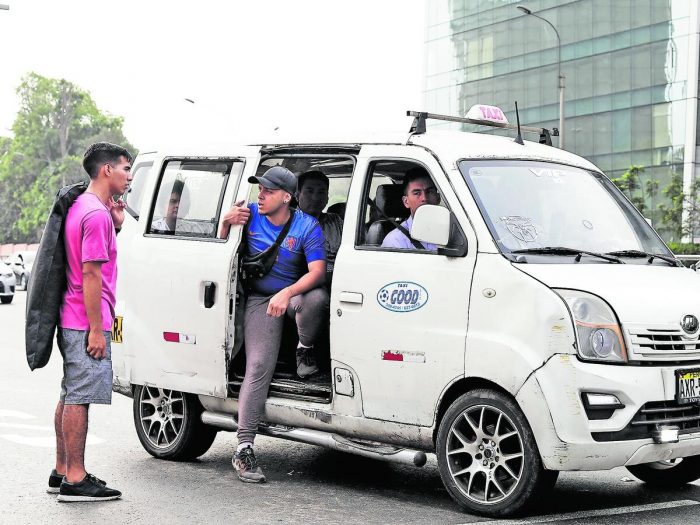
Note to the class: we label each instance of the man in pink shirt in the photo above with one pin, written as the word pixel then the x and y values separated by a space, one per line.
pixel 86 317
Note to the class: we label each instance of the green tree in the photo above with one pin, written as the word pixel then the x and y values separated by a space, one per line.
pixel 55 124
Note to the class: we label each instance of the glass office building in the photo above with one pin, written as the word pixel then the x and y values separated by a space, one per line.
pixel 630 68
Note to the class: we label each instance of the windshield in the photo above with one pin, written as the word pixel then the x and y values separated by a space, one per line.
pixel 539 205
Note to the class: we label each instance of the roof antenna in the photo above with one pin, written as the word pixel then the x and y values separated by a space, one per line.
pixel 519 137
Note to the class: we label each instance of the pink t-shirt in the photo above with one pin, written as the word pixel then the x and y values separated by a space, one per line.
pixel 89 237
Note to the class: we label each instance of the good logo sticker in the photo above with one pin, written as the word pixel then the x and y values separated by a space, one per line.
pixel 402 296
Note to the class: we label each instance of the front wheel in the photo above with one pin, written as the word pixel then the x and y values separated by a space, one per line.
pixel 6 299
pixel 487 455
pixel 668 474
pixel 168 424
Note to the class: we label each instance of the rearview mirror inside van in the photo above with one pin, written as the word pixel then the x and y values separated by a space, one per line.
pixel 431 224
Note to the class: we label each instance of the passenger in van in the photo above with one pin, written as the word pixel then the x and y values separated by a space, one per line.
pixel 167 223
pixel 312 195
pixel 293 286
pixel 418 189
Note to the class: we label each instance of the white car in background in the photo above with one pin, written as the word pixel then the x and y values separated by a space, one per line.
pixel 7 283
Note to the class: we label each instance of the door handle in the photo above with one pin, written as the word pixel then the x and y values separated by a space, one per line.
pixel 351 297
pixel 209 294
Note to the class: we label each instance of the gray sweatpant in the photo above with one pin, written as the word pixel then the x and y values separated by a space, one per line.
pixel 263 335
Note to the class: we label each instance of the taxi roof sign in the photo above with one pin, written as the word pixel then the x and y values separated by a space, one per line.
pixel 487 114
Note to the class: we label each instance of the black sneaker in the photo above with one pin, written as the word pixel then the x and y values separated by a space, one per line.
pixel 306 362
pixel 247 466
pixel 90 489
pixel 55 480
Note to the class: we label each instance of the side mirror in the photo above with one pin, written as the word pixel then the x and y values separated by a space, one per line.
pixel 431 224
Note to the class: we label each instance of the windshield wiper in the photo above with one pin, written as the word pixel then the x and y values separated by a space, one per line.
pixel 560 250
pixel 640 254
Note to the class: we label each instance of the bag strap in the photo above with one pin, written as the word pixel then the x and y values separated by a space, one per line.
pixel 416 244
pixel 285 230
pixel 281 235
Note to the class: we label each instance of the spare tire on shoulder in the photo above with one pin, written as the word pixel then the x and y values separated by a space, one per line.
pixel 47 283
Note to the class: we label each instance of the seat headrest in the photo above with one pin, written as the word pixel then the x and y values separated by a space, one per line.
pixel 388 199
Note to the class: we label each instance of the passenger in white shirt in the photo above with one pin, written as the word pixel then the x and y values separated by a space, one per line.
pixel 418 189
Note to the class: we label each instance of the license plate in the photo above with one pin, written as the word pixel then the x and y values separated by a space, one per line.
pixel 117 329
pixel 688 386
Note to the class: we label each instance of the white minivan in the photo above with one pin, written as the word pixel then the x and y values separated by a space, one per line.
pixel 552 330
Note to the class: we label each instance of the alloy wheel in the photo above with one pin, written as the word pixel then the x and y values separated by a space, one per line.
pixel 485 454
pixel 161 414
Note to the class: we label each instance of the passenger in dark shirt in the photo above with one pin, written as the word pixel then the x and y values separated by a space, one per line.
pixel 312 195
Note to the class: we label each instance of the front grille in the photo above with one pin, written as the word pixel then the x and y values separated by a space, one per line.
pixel 662 343
pixel 685 417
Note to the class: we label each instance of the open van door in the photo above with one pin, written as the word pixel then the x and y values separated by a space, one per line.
pixel 177 278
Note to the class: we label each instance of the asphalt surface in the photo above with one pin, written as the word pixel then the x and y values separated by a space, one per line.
pixel 307 484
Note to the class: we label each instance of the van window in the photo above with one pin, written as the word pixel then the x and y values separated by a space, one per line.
pixel 189 197
pixel 387 210
pixel 542 205
pixel 135 194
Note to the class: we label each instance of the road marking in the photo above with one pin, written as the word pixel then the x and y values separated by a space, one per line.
pixel 15 413
pixel 34 441
pixel 44 441
pixel 592 513
pixel 22 425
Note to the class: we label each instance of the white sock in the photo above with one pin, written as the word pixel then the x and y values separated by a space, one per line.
pixel 243 445
pixel 304 347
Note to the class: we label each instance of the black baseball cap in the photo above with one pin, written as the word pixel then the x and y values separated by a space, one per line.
pixel 277 178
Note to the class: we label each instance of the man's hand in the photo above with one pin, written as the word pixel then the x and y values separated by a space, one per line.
pixel 238 214
pixel 279 303
pixel 116 210
pixel 97 344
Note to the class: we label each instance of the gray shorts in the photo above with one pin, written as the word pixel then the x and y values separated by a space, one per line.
pixel 85 380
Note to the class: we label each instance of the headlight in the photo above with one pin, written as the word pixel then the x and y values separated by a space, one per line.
pixel 597 328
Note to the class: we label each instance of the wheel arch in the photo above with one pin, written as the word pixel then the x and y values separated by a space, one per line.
pixel 460 387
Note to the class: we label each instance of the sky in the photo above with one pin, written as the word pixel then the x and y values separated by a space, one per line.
pixel 249 66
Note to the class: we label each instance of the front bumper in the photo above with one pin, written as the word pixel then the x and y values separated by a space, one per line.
pixel 569 440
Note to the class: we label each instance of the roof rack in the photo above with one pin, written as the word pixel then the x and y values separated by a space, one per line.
pixel 418 127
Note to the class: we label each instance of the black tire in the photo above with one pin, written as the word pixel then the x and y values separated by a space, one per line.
pixel 7 299
pixel 487 426
pixel 168 424
pixel 668 474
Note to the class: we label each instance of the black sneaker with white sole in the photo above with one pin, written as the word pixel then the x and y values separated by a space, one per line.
pixel 89 489
pixel 247 466
pixel 55 480
pixel 306 362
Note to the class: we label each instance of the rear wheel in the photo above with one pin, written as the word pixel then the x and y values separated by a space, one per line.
pixel 668 474
pixel 168 424
pixel 487 455
pixel 7 299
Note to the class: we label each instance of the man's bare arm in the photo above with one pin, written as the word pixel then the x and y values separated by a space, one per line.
pixel 92 297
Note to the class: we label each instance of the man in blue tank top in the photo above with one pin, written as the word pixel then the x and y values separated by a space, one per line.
pixel 293 287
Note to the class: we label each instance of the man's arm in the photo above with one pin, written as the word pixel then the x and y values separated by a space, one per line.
pixel 315 278
pixel 92 297
pixel 238 214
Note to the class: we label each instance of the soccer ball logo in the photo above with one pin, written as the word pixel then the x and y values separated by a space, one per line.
pixel 384 296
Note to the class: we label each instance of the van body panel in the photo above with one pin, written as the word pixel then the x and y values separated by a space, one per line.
pixel 639 293
pixel 394 351
pixel 171 339
pixel 505 306
pixel 317 416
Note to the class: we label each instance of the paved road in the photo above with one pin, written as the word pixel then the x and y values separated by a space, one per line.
pixel 307 484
